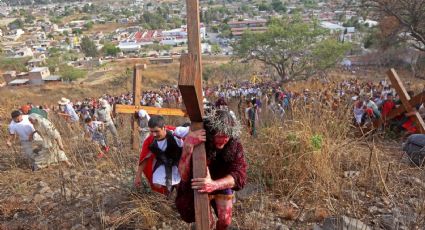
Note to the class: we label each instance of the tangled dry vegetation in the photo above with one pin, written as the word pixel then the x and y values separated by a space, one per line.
pixel 302 171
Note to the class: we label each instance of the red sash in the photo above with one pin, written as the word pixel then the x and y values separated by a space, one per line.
pixel 148 170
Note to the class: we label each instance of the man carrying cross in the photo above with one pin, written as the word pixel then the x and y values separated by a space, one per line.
pixel 226 168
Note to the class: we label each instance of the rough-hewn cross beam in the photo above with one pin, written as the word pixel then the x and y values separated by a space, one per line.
pixel 190 85
pixel 406 100
pixel 131 109
pixel 137 96
pixel 416 100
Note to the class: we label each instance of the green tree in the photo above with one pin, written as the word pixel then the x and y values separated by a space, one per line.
pixel 263 7
pixel 86 8
pixel 88 25
pixel 77 31
pixel 53 63
pixel 17 64
pixel 110 49
pixel 278 6
pixel 215 49
pixel 29 19
pixel 292 47
pixel 88 47
pixel 70 73
pixel 17 24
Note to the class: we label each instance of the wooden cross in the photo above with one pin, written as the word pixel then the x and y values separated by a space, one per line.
pixel 408 104
pixel 131 109
pixel 190 85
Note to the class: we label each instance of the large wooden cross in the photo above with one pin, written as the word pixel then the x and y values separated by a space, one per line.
pixel 408 104
pixel 131 109
pixel 190 85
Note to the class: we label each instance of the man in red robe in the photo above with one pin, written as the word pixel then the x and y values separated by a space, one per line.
pixel 160 155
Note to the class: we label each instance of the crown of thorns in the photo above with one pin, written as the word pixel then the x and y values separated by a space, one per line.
pixel 224 121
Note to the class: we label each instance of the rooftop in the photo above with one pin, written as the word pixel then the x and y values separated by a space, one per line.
pixel 38 69
pixel 18 81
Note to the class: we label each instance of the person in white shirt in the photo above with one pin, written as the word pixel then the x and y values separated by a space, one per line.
pixel 160 156
pixel 21 127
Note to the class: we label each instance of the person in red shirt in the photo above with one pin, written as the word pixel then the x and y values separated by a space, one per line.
pixel 387 106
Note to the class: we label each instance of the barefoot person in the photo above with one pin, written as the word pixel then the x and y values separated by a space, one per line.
pixel 226 168
pixel 52 150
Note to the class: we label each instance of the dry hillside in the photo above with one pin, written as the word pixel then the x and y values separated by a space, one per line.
pixel 306 172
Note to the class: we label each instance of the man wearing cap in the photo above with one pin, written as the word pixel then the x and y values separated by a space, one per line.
pixel 21 127
pixel 104 114
pixel 67 110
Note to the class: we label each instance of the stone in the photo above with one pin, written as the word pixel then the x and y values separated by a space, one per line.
pixel 373 209
pixel 317 227
pixel 248 191
pixel 388 222
pixel 94 173
pixel 78 227
pixel 344 223
pixel 42 184
pixel 281 227
pixel 351 174
pixel 88 212
pixel 38 198
pixel 417 181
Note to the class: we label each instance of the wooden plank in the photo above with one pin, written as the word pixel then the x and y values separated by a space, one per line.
pixel 405 99
pixel 416 100
pixel 131 109
pixel 137 96
pixel 194 30
pixel 192 98
pixel 190 87
pixel 202 204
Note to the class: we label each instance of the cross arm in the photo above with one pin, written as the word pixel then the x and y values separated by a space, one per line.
pixel 190 87
pixel 129 109
pixel 405 99
pixel 416 100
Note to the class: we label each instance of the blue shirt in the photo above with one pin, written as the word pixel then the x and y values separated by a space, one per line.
pixel 71 112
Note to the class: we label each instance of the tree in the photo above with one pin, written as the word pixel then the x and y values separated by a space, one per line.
pixel 263 7
pixel 17 24
pixel 69 73
pixel 110 49
pixel 278 6
pixel 292 47
pixel 88 25
pixel 215 49
pixel 88 47
pixel 408 14
pixel 29 19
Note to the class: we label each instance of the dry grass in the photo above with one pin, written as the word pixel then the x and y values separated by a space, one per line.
pixel 296 171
